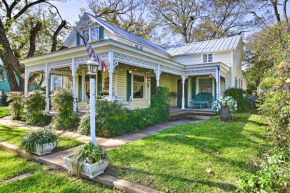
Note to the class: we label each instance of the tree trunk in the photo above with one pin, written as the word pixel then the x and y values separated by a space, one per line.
pixel 225 115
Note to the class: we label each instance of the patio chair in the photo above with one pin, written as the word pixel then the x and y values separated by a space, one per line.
pixel 127 106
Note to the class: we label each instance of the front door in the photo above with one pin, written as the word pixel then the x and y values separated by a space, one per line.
pixel 179 92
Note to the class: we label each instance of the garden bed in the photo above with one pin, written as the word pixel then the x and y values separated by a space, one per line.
pixel 209 156
pixel 14 135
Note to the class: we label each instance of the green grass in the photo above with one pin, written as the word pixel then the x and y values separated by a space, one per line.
pixel 11 166
pixel 14 136
pixel 42 180
pixel 178 159
pixel 4 112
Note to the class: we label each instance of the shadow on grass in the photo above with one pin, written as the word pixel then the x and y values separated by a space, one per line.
pixel 11 135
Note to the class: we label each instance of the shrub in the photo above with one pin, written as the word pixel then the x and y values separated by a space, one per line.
pixel 238 95
pixel 34 108
pixel 272 176
pixel 112 119
pixel 38 137
pixel 87 154
pixel 62 103
pixel 16 106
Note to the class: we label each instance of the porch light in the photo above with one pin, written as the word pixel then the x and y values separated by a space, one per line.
pixel 92 66
pixel 148 79
pixel 130 70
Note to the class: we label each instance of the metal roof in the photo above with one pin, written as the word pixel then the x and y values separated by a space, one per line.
pixel 128 35
pixel 228 43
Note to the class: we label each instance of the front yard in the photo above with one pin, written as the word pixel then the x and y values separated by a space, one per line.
pixel 41 180
pixel 209 156
pixel 14 135
pixel 4 112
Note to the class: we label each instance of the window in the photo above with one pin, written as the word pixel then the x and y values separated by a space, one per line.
pixel 56 82
pixel 205 85
pixel 95 34
pixel 207 58
pixel 86 35
pixel 138 86
pixel 1 75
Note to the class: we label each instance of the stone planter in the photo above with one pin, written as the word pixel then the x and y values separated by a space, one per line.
pixel 90 170
pixel 225 115
pixel 46 149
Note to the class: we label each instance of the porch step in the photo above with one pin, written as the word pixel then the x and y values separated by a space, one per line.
pixel 183 113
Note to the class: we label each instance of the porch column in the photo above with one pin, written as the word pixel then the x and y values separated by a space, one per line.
pixel 157 73
pixel 46 74
pixel 26 78
pixel 111 69
pixel 84 97
pixel 183 98
pixel 73 68
pixel 217 77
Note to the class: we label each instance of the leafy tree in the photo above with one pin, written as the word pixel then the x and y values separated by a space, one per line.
pixel 129 15
pixel 27 28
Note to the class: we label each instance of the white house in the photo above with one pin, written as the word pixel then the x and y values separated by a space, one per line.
pixel 136 66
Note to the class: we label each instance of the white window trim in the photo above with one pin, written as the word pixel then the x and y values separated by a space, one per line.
pixel 145 86
pixel 207 57
pixel 90 33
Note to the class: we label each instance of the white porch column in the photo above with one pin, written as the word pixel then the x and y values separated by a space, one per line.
pixel 84 97
pixel 73 68
pixel 47 83
pixel 158 73
pixel 111 69
pixel 217 78
pixel 183 98
pixel 26 78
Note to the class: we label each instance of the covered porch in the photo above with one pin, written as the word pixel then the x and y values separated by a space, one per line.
pixel 132 76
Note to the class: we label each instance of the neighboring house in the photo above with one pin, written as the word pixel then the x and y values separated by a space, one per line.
pixel 136 66
pixel 5 87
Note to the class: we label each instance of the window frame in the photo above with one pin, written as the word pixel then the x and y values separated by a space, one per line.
pixel 144 85
pixel 51 82
pixel 212 84
pixel 91 36
pixel 207 57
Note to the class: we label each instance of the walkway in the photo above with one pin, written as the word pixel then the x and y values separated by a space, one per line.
pixel 110 143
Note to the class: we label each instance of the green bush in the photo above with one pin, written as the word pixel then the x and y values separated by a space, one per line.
pixel 62 103
pixel 238 95
pixel 16 106
pixel 34 108
pixel 272 176
pixel 112 119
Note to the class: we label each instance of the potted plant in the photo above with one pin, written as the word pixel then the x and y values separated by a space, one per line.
pixel 41 141
pixel 90 160
pixel 226 105
pixel 105 94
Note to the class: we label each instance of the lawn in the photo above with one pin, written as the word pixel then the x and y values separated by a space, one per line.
pixel 42 180
pixel 209 156
pixel 4 112
pixel 14 135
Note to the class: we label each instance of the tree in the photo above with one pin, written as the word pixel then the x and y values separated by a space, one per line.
pixel 128 15
pixel 25 28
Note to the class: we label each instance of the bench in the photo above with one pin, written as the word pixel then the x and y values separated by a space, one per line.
pixel 202 100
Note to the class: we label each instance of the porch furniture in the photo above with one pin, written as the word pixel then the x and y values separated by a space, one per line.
pixel 117 99
pixel 128 105
pixel 202 100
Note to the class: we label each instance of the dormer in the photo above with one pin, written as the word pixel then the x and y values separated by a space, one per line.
pixel 91 34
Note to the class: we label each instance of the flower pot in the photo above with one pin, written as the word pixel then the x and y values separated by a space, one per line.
pixel 90 170
pixel 46 149
pixel 225 115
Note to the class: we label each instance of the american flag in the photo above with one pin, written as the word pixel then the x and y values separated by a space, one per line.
pixel 93 54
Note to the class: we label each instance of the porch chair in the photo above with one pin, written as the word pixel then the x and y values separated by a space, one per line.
pixel 127 106
pixel 202 100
